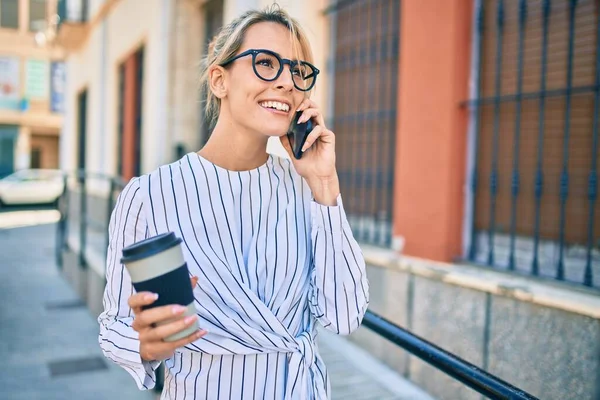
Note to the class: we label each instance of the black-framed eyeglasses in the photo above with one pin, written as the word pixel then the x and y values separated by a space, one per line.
pixel 268 66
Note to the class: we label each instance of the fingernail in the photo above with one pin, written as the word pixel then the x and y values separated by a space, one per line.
pixel 153 296
pixel 201 333
pixel 178 309
pixel 189 319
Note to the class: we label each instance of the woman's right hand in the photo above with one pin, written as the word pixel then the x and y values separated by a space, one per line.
pixel 151 335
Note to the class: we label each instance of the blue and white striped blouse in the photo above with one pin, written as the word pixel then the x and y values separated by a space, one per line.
pixel 270 261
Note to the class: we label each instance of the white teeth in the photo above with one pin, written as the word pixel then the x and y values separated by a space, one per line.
pixel 276 105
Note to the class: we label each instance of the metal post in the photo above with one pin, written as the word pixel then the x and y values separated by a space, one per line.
pixel 494 173
pixel 62 207
pixel 515 174
pixel 109 209
pixel 593 177
pixel 82 219
pixel 394 56
pixel 564 176
pixel 379 200
pixel 353 131
pixel 365 119
pixel 472 252
pixel 539 176
pixel 361 141
pixel 160 378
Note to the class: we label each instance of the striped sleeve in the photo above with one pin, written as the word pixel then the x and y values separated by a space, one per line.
pixel 118 341
pixel 339 294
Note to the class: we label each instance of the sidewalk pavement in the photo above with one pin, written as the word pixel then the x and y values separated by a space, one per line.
pixel 48 338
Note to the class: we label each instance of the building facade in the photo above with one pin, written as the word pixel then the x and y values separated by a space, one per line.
pixel 467 148
pixel 32 78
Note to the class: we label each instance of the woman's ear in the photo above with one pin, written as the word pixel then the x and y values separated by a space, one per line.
pixel 217 81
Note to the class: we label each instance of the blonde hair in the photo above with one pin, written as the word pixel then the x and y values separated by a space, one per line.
pixel 229 39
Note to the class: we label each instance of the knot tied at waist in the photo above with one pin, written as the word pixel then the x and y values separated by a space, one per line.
pixel 300 381
pixel 306 348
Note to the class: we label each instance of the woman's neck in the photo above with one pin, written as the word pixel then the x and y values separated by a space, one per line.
pixel 234 149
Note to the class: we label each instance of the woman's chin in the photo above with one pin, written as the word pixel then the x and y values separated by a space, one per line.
pixel 274 131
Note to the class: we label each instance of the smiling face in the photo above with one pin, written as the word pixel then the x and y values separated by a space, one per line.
pixel 264 107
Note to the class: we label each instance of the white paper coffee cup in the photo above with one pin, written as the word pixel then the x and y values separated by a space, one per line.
pixel 157 265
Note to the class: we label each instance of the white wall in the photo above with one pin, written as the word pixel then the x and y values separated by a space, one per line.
pixel 80 70
pixel 94 7
pixel 125 37
pixel 96 67
pixel 233 8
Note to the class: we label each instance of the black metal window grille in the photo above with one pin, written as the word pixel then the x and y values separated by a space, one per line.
pixel 366 40
pixel 535 127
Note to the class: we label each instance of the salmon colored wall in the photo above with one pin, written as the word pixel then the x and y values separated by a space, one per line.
pixel 129 118
pixel 431 144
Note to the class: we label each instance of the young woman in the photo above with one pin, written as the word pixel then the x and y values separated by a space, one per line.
pixel 266 239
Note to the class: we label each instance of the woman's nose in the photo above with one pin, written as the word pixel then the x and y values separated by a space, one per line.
pixel 285 80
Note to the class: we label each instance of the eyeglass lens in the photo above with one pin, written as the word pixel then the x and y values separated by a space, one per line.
pixel 268 66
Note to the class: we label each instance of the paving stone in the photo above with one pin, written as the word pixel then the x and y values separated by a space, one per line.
pixel 35 333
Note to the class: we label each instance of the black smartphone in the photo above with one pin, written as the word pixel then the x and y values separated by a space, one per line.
pixel 297 134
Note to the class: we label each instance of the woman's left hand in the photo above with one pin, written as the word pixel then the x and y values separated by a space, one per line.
pixel 317 164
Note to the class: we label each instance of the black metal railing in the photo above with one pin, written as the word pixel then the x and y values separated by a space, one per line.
pixel 364 65
pixel 535 135
pixel 89 218
pixel 477 379
pixel 76 184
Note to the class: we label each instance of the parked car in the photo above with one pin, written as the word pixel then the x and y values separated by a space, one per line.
pixel 31 186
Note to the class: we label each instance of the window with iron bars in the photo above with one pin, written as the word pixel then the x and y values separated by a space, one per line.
pixel 364 77
pixel 534 135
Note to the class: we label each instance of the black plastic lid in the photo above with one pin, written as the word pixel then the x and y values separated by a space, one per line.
pixel 149 247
